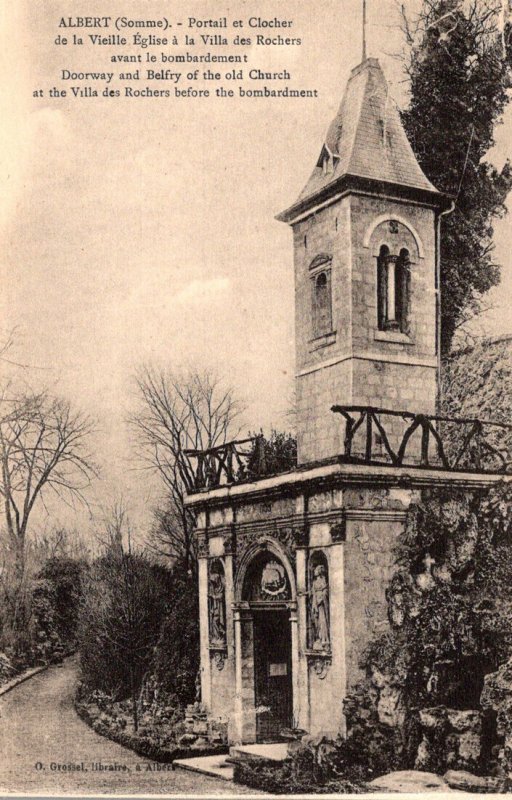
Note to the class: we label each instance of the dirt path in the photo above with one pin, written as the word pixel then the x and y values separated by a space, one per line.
pixel 39 730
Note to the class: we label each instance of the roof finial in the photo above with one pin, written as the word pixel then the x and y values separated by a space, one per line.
pixel 364 30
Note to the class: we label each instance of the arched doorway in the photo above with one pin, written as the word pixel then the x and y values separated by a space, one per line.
pixel 267 597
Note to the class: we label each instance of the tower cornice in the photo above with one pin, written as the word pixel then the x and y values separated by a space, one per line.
pixel 355 184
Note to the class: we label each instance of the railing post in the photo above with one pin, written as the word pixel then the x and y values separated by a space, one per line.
pixel 348 435
pixel 229 463
pixel 425 433
pixel 260 455
pixel 369 418
pixel 200 478
pixel 478 439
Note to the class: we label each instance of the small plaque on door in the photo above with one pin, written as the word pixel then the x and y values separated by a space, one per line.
pixel 274 670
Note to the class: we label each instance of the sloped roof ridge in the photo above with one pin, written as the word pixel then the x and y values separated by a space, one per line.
pixel 368 137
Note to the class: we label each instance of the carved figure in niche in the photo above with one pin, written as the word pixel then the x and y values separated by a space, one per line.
pixel 217 606
pixel 320 609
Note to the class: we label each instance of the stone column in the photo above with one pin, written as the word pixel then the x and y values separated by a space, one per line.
pixel 204 634
pixel 235 733
pixel 230 628
pixel 337 611
pixel 244 727
pixel 295 667
pixel 301 683
pixel 391 290
pixel 229 595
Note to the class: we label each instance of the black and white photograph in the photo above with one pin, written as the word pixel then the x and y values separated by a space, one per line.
pixel 255 398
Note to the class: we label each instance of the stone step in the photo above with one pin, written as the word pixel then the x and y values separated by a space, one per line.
pixel 215 766
pixel 271 752
pixel 411 781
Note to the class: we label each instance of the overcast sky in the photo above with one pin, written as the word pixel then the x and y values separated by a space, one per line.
pixel 143 230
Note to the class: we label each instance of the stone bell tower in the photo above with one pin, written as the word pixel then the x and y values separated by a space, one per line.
pixel 366 270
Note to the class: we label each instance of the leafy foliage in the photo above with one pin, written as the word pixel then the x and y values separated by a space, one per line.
pixel 459 74
pixel 274 454
pixel 66 576
pixel 462 625
pixel 46 602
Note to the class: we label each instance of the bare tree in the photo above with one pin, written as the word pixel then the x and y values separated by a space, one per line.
pixel 113 531
pixel 179 412
pixel 43 451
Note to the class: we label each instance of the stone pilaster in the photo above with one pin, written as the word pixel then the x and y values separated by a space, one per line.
pixel 204 632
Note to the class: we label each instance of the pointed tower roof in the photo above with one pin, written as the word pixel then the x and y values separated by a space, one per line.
pixel 365 144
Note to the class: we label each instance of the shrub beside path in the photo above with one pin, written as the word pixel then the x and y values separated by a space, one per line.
pixel 40 734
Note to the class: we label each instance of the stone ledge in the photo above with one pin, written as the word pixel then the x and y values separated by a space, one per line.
pixel 338 473
pixel 324 340
pixel 214 766
pixel 410 781
pixel 394 337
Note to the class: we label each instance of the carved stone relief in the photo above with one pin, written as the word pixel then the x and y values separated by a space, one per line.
pixel 266 580
pixel 289 537
pixel 219 659
pixel 339 531
pixel 321 666
pixel 202 545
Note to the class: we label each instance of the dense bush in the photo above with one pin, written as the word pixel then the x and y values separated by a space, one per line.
pixel 450 609
pixel 459 627
pixel 38 614
pixel 148 743
pixel 300 774
pixel 175 663
pixel 139 643
pixel 63 577
pixel 124 600
pixel 272 455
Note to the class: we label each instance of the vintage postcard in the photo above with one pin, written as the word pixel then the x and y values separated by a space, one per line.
pixel 256 382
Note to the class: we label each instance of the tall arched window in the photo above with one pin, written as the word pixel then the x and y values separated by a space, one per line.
pixel 322 311
pixel 393 290
pixel 402 290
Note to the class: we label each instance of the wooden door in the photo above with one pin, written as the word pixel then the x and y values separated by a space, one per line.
pixel 272 674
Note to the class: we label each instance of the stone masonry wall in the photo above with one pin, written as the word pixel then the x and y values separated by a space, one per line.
pixel 222 672
pixel 365 211
pixel 319 431
pixel 356 363
pixel 375 519
pixel 368 569
pixel 326 232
